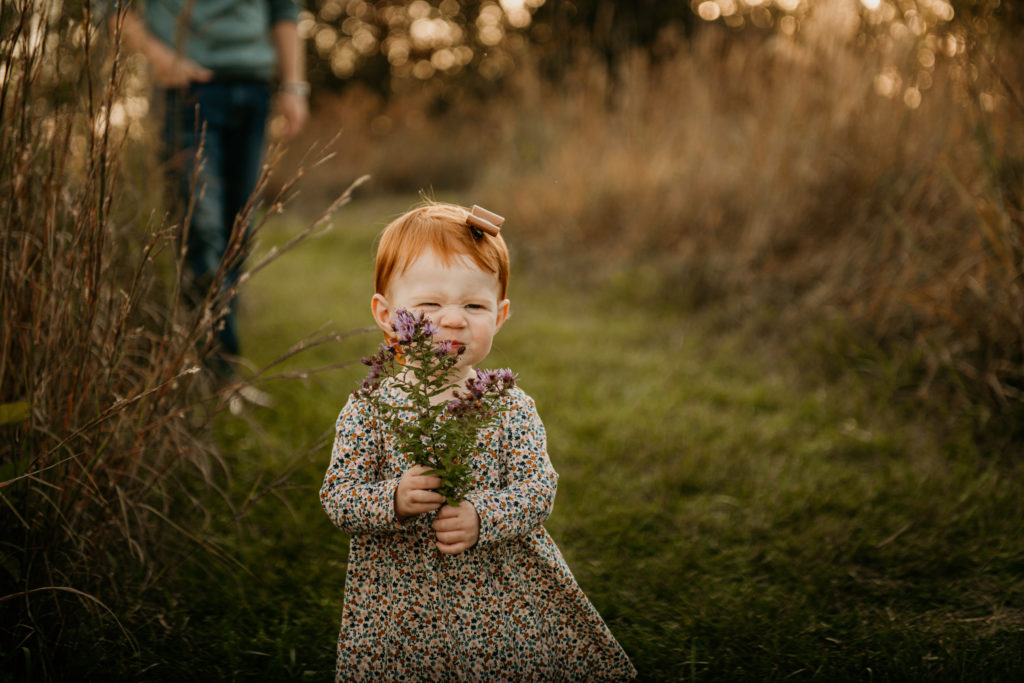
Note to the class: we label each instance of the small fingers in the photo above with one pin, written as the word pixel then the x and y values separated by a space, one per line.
pixel 426 482
pixel 410 499
pixel 451 548
pixel 407 511
pixel 448 527
pixel 425 497
pixel 452 542
pixel 416 478
pixel 456 529
pixel 418 501
pixel 447 524
pixel 451 511
pixel 453 537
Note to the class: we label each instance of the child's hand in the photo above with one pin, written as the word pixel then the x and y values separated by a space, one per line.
pixel 457 528
pixel 414 494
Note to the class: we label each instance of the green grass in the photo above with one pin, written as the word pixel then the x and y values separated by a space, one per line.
pixel 732 516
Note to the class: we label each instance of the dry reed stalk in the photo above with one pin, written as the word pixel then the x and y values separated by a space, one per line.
pixel 106 457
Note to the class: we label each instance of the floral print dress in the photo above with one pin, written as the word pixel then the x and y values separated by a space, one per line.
pixel 507 609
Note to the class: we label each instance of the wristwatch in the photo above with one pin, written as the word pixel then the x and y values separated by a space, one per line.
pixel 300 88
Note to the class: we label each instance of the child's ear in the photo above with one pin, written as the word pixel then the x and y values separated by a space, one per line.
pixel 381 310
pixel 504 310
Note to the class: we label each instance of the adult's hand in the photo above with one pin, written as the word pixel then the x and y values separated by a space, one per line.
pixel 167 68
pixel 292 113
pixel 172 70
pixel 292 101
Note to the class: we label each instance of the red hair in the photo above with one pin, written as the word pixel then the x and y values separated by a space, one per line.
pixel 443 228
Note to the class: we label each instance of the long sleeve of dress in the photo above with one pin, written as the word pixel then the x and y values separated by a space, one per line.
pixel 358 492
pixel 525 501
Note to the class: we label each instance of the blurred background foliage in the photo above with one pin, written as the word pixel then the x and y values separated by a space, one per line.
pixel 851 163
pixel 388 46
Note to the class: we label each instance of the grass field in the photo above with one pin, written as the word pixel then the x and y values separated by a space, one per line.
pixel 732 515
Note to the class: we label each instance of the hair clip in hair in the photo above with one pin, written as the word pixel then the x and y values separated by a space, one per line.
pixel 485 221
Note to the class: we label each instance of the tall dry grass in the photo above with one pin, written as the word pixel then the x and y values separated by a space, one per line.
pixel 432 137
pixel 108 468
pixel 796 179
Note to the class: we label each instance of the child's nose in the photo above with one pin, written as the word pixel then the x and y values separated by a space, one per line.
pixel 451 316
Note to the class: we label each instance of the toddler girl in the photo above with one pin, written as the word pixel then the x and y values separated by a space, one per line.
pixel 474 591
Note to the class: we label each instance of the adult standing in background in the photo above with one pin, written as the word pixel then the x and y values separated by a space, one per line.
pixel 214 62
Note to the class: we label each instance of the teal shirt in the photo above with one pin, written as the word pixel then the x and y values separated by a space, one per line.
pixel 229 37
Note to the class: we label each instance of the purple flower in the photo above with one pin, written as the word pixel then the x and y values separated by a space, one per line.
pixel 409 326
pixel 445 347
pixel 506 377
pixel 404 324
pixel 480 392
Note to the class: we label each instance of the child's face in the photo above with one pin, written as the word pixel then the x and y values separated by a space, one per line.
pixel 460 298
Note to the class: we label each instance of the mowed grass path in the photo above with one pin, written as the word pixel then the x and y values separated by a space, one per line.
pixel 731 518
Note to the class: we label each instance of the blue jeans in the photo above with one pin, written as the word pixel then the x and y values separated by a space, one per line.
pixel 235 116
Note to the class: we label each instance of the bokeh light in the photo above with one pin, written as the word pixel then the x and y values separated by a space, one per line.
pixel 418 40
pixel 920 27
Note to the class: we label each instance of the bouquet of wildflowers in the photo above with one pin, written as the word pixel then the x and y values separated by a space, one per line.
pixel 441 435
